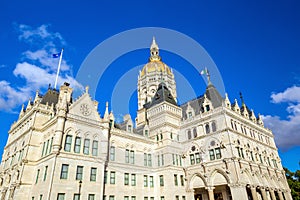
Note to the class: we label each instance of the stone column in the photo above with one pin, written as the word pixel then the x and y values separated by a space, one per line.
pixel 253 192
pixel 287 194
pixel 238 191
pixel 210 191
pixel 280 195
pixel 263 193
pixel 273 197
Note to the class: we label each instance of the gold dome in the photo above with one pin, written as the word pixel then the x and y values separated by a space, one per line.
pixel 156 66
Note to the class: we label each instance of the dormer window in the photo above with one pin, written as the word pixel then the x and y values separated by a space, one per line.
pixel 190 114
pixel 146 133
pixel 207 108
pixel 129 128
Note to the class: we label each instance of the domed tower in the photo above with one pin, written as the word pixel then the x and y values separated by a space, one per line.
pixel 150 77
pixel 152 74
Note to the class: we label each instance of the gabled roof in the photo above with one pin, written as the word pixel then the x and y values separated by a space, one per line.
pixel 162 94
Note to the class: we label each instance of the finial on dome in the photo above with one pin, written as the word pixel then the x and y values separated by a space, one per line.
pixel 154 51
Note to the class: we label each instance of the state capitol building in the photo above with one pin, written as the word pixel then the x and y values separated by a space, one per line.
pixel 209 148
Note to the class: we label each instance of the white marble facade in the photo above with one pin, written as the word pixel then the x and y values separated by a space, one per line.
pixel 205 149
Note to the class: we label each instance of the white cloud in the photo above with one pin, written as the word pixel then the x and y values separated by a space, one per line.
pixel 37 67
pixel 39 35
pixel 11 97
pixel 286 132
pixel 291 94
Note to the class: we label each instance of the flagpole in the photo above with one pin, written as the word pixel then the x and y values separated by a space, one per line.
pixel 58 68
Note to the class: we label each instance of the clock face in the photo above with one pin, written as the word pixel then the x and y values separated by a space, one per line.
pixel 85 109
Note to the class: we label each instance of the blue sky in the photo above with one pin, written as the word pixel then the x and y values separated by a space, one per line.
pixel 255 46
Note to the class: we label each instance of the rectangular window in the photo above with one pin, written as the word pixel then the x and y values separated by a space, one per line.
pixel 197 155
pixel 45 173
pixel 177 159
pixel 77 145
pixel 218 153
pixel 192 159
pixel 162 198
pixel 86 146
pixel 211 154
pixel 112 153
pixel 132 157
pixel 79 172
pixel 112 177
pixel 127 156
pixel 145 159
pixel 133 180
pixel 133 198
pixel 126 198
pixel 76 197
pixel 61 196
pixel 183 197
pixel 111 197
pixel 68 143
pixel 64 171
pixel 93 174
pixel 37 176
pixel 145 198
pixel 145 181
pixel 50 146
pixel 146 133
pixel 46 149
pixel 151 181
pixel 41 197
pixel 151 198
pixel 91 197
pixel 173 158
pixel 158 160
pixel 175 179
pixel 149 160
pixel 181 180
pixel 95 148
pixel 161 180
pixel 177 197
pixel 126 179
pixel 162 160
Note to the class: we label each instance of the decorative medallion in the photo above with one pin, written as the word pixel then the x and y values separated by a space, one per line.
pixel 85 109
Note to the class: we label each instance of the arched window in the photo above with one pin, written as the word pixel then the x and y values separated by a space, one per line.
pixel 213 126
pixel 189 134
pixel 207 128
pixel 195 132
pixel 68 143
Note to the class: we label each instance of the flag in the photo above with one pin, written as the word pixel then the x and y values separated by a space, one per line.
pixel 56 55
pixel 204 71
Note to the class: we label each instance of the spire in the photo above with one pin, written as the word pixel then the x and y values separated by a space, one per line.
pixel 106 114
pixel 226 101
pixel 154 51
pixel 242 99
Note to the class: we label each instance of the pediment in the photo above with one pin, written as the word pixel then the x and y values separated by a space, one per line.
pixel 85 107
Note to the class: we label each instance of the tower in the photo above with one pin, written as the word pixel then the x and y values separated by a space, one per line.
pixel 152 74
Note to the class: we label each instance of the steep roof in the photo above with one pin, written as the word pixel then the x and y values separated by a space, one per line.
pixel 213 95
pixel 51 96
pixel 162 94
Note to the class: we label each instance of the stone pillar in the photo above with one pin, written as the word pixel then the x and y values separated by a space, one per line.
pixel 273 197
pixel 263 193
pixel 280 195
pixel 253 192
pixel 190 194
pixel 210 191
pixel 287 194
pixel 238 191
